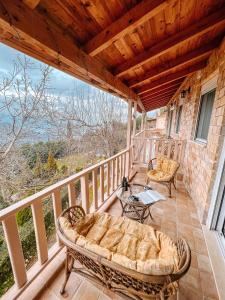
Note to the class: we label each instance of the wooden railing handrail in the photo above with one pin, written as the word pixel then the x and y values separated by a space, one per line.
pixel 12 209
pixel 139 133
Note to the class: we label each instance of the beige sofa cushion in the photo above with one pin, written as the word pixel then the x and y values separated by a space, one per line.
pixel 133 245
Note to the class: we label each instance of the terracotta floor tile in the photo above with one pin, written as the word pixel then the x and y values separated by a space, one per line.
pixel 194 261
pixel 48 295
pixel 200 246
pixel 192 279
pixel 208 285
pixel 197 233
pixel 186 293
pixel 72 285
pixel 204 263
pixel 87 291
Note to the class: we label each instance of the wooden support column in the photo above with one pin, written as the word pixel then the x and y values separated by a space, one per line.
pixel 134 118
pixel 142 120
pixel 145 121
pixel 129 122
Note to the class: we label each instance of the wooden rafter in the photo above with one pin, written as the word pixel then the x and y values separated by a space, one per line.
pixel 171 77
pixel 137 15
pixel 202 52
pixel 153 105
pixel 158 97
pixel 28 30
pixel 194 30
pixel 164 87
pixel 164 92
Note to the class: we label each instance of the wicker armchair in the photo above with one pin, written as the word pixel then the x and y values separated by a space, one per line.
pixel 127 283
pixel 164 172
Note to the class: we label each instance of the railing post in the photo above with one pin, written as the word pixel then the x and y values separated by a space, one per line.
pixel 127 155
pixel 129 123
pixel 102 187
pixel 113 176
pixel 134 118
pixel 15 250
pixel 117 172
pixel 72 194
pixel 121 167
pixel 108 179
pixel 95 188
pixel 85 193
pixel 57 208
pixel 40 232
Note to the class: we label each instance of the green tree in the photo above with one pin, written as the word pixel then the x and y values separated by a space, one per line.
pixel 51 165
pixel 38 169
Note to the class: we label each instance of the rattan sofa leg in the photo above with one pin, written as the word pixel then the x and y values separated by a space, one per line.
pixel 169 188
pixel 68 269
pixel 174 184
pixel 162 296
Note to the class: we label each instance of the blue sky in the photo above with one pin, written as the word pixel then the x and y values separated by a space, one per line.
pixel 61 83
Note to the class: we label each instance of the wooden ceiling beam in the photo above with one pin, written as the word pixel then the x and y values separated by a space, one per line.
pixel 26 28
pixel 197 29
pixel 202 52
pixel 136 16
pixel 145 96
pixel 171 77
pixel 158 96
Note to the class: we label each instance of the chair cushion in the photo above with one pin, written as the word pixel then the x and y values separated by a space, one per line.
pixel 166 165
pixel 159 175
pixel 126 242
pixel 164 171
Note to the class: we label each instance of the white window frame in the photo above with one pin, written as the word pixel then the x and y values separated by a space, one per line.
pixel 209 84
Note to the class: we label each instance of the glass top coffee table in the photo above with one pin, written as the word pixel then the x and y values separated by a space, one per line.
pixel 135 210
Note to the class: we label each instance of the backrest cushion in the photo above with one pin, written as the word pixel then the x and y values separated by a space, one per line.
pixel 166 165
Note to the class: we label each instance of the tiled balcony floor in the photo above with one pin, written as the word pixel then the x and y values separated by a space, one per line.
pixel 176 217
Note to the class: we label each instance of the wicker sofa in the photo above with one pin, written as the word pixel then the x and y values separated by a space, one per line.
pixel 164 172
pixel 125 282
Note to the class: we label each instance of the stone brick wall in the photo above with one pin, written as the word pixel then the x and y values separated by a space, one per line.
pixel 200 161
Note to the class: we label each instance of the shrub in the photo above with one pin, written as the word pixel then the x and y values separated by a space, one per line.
pixel 51 166
pixel 23 216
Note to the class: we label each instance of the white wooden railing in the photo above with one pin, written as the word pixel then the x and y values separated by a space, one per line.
pixel 146 148
pixel 106 177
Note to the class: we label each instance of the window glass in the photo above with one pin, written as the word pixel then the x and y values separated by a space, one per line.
pixel 204 117
pixel 179 112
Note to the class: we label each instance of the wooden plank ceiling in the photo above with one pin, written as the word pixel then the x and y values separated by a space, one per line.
pixel 140 50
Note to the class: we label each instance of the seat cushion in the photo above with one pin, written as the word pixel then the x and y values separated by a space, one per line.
pixel 159 175
pixel 164 171
pixel 126 242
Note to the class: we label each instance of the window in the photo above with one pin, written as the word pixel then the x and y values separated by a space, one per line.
pixel 204 116
pixel 179 112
